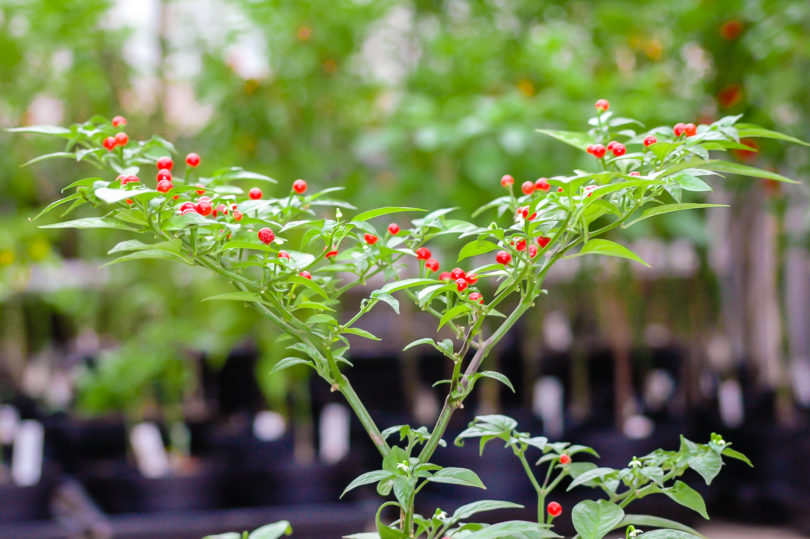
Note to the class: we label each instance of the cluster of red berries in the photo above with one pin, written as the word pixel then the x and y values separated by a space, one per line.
pixel 598 150
pixel 463 281
pixel 528 187
pixel 120 139
pixel 689 129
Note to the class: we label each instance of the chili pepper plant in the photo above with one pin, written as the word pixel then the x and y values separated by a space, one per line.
pixel 295 255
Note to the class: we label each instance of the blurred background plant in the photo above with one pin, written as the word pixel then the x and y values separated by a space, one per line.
pixel 426 103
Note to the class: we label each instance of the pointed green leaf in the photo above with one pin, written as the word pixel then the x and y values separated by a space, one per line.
pixel 367 478
pixel 754 131
pixel 417 342
pixel 736 455
pixel 744 170
pixel 688 497
pixel 47 156
pixel 92 222
pixel 687 182
pixel 238 173
pixel 457 476
pixel 272 531
pixel 249 297
pixel 151 254
pixel 405 283
pixel 573 138
pixel 499 377
pixel 477 247
pixel 595 474
pixel 594 520
pixel 371 214
pixel 41 130
pixel 668 534
pixel 513 529
pixel 467 510
pixel 111 196
pixel 669 208
pixel 452 314
pixel 386 298
pixel 608 248
pixel 655 522
pixel 56 204
pixel 288 362
pixel 361 333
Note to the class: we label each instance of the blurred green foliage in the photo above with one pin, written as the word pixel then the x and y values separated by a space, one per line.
pixel 420 101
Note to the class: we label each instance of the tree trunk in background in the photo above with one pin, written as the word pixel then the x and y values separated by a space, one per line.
pixel 797 298
pixel 743 252
pixel 615 326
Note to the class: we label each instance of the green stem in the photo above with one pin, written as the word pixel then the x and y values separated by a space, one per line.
pixel 541 510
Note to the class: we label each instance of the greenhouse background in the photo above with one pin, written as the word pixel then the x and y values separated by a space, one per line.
pixel 425 103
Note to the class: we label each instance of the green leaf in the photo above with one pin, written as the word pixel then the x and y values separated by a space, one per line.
pixel 707 463
pixel 272 531
pixel 385 531
pixel 595 474
pixel 41 129
pixel 361 333
pixel 366 479
pixel 668 534
pixel 457 476
pixel 573 138
pixel 48 156
pixel 687 182
pixel 371 214
pixel 242 244
pixel 669 208
pixel 84 182
pixel 655 522
pixel 513 529
pixel 405 283
pixel 427 294
pixel 238 173
pixel 688 497
pixel 307 283
pixel 477 247
pixel 288 362
pixel 111 196
pixel 499 377
pixel 56 204
pixel 754 131
pixel 594 520
pixel 92 222
pixel 455 312
pixel 467 510
pixel 174 246
pixel 151 254
pixel 731 453
pixel 386 298
pixel 744 170
pixel 608 248
pixel 249 297
pixel 417 342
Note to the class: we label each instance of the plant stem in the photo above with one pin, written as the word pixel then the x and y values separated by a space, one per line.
pixel 541 511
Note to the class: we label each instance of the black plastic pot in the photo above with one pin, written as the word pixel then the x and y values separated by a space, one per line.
pixel 21 504
pixel 120 488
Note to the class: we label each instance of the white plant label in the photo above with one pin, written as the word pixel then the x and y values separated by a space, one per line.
pixel 334 432
pixel 26 459
pixel 150 453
